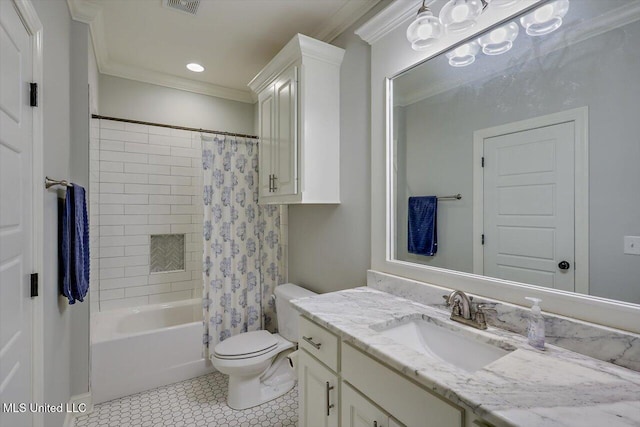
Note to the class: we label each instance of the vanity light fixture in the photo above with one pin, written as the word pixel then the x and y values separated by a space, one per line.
pixel 196 68
pixel 545 19
pixel 460 15
pixel 425 30
pixel 499 40
pixel 464 55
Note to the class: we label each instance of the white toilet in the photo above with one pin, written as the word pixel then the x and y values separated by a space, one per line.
pixel 256 362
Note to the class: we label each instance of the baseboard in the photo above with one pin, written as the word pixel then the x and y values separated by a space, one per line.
pixel 79 405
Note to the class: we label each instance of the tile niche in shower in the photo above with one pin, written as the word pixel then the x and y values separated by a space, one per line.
pixel 167 253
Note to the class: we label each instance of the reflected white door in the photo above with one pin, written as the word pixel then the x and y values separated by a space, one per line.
pixel 529 206
pixel 15 215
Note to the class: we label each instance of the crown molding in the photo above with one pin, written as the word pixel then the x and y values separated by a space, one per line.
pixel 346 16
pixel 388 20
pixel 175 82
pixel 615 18
pixel 298 48
pixel 91 14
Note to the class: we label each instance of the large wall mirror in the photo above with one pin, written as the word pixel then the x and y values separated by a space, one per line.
pixel 539 135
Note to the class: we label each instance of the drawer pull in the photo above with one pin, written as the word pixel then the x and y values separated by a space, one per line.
pixel 310 341
pixel 329 405
pixel 375 424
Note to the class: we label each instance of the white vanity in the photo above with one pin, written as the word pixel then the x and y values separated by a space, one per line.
pixel 357 367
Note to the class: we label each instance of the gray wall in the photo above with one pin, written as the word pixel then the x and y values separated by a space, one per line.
pixel 129 99
pixel 65 130
pixel 439 148
pixel 329 245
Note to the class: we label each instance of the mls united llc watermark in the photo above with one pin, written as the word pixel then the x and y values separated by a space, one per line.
pixel 76 408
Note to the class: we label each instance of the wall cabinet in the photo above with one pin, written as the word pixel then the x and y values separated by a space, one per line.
pixel 299 124
pixel 341 385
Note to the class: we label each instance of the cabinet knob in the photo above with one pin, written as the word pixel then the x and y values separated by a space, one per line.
pixel 564 265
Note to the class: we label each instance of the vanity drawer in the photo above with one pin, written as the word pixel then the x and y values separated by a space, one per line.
pixel 319 342
pixel 411 404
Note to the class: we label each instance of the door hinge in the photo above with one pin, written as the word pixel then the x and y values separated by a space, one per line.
pixel 482 239
pixel 483 161
pixel 34 285
pixel 33 94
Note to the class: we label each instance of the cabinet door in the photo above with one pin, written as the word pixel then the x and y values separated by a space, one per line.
pixel 266 108
pixel 286 133
pixel 357 411
pixel 318 393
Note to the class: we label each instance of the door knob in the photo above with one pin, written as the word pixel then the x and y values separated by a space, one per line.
pixel 564 265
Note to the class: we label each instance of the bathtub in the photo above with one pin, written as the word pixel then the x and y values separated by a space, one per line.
pixel 140 348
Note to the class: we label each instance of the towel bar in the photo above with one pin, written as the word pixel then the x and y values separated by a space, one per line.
pixel 48 183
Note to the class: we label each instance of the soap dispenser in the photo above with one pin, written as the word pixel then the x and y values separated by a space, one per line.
pixel 535 331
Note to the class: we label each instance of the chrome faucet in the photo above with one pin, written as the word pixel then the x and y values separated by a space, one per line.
pixel 464 311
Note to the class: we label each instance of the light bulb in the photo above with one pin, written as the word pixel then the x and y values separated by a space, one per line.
pixel 499 40
pixel 545 19
pixel 424 31
pixel 463 55
pixel 460 15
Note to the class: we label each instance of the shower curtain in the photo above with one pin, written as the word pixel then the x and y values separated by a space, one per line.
pixel 243 260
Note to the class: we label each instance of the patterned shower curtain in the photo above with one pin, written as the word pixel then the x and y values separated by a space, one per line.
pixel 242 251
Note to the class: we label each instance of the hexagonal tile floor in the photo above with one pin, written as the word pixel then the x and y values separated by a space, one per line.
pixel 197 402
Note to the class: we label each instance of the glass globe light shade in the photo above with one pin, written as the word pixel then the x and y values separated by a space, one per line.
pixel 545 19
pixel 502 3
pixel 463 55
pixel 460 15
pixel 499 40
pixel 424 31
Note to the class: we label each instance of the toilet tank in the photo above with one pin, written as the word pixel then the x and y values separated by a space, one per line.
pixel 286 314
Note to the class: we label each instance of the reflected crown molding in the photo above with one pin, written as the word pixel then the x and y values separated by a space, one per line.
pixel 615 18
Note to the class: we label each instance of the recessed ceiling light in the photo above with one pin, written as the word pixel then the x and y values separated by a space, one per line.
pixel 196 68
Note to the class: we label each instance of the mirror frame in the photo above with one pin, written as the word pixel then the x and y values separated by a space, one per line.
pixel 392 56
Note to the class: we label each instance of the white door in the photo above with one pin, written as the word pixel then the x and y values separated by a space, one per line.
pixel 529 206
pixel 357 411
pixel 15 215
pixel 318 393
pixel 286 132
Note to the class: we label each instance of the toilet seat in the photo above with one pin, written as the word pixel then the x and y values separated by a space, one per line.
pixel 246 345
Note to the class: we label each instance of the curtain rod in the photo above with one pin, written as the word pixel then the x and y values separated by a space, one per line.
pixel 138 122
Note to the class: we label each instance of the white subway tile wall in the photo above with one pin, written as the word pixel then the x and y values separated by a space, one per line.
pixel 143 180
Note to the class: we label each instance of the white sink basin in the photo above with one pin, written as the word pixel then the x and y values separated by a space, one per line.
pixel 463 349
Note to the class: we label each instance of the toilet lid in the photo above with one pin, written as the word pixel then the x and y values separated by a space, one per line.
pixel 246 344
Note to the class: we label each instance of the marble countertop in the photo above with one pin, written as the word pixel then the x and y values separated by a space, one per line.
pixel 527 387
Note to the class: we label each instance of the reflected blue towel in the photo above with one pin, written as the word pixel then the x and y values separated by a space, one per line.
pixel 423 236
pixel 74 245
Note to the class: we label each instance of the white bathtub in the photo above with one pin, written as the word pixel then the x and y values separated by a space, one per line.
pixel 137 349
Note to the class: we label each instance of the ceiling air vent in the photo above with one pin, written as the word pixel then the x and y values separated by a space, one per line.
pixel 185 6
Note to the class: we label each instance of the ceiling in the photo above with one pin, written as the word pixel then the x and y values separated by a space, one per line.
pixel 233 39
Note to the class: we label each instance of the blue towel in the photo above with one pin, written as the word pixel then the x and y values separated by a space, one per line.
pixel 423 237
pixel 74 245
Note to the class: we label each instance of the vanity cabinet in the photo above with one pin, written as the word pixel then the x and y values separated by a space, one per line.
pixel 318 380
pixel 299 124
pixel 358 411
pixel 339 385
pixel 317 393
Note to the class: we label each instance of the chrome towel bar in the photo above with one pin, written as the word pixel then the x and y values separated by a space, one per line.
pixel 48 183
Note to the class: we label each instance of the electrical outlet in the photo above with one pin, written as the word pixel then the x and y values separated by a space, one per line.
pixel 632 245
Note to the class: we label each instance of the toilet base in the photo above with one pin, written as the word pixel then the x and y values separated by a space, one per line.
pixel 247 392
